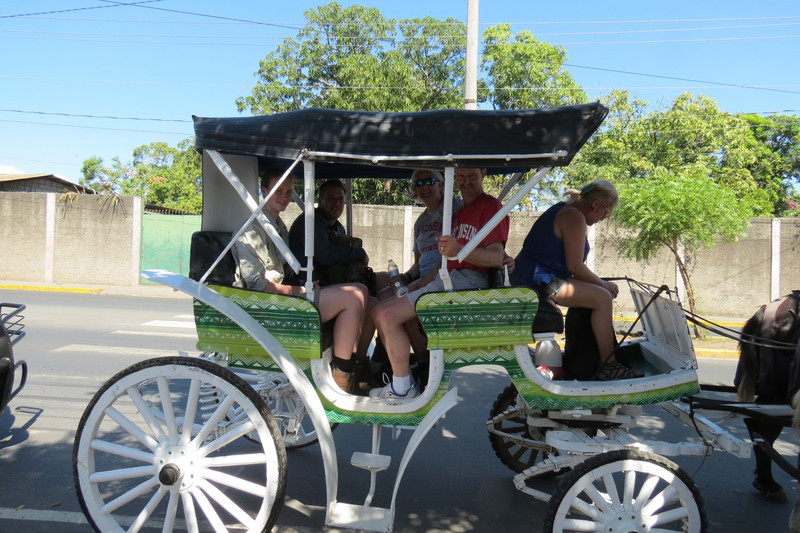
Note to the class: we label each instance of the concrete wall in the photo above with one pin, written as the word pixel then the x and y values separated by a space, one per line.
pixel 48 238
pixel 66 238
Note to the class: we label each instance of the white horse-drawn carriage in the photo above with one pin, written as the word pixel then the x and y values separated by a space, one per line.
pixel 160 441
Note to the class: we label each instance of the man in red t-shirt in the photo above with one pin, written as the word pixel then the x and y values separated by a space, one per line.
pixel 390 315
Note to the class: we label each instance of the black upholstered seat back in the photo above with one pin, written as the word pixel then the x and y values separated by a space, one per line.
pixel 206 247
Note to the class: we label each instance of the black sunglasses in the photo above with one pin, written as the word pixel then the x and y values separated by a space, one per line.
pixel 427 181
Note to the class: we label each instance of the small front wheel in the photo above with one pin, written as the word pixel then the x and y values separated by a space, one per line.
pixel 626 491
pixel 151 450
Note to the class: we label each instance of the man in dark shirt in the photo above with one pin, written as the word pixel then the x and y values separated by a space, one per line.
pixel 338 258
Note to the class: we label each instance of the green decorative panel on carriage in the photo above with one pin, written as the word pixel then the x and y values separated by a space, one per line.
pixel 293 321
pixel 471 319
pixel 538 398
pixel 481 355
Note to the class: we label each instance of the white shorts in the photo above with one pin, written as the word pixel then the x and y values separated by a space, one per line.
pixel 461 280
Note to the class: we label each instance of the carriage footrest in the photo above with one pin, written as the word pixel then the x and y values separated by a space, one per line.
pixel 361 517
pixel 371 461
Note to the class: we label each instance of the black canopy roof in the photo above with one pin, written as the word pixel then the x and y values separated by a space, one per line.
pixel 376 144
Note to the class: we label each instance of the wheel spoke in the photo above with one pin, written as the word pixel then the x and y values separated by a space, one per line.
pixel 122 451
pixel 667 517
pixel 598 498
pixel 166 405
pixel 643 499
pixel 148 509
pixel 134 430
pixel 213 421
pixel 209 512
pixel 236 483
pixel 243 459
pixel 574 524
pixel 611 490
pixel 191 410
pixel 189 513
pixel 660 500
pixel 628 489
pixel 585 509
pixel 145 410
pixel 138 490
pixel 228 504
pixel 122 473
pixel 227 438
pixel 171 512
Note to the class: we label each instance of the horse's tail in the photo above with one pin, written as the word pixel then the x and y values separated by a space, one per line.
pixel 747 370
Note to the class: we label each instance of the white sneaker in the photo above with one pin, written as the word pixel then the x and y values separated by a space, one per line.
pixel 387 393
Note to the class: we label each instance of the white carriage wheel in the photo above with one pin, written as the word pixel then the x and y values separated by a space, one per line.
pixel 626 491
pixel 149 452
pixel 290 413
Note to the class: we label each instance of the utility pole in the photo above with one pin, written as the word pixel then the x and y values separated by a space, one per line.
pixel 471 71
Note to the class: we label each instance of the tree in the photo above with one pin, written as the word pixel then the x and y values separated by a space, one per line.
pixel 163 175
pixel 354 58
pixel 523 72
pixel 776 168
pixel 684 209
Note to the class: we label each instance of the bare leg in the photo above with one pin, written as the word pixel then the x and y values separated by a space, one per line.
pixel 419 342
pixel 347 304
pixel 368 328
pixel 389 317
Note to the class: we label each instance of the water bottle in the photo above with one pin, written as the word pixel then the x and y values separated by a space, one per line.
pixel 548 354
pixel 395 281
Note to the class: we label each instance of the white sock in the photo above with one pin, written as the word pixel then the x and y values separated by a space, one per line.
pixel 401 385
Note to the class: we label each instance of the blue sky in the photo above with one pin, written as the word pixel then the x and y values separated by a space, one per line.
pixel 67 64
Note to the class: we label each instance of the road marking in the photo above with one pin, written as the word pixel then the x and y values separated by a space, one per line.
pixel 41 515
pixel 116 350
pixel 169 324
pixel 155 334
pixel 73 517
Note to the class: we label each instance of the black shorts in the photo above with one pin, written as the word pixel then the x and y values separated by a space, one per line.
pixel 548 290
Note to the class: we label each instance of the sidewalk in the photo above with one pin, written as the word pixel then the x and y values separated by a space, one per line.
pixel 148 290
pixel 712 345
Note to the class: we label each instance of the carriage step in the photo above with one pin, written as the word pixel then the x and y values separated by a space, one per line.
pixel 360 517
pixel 370 461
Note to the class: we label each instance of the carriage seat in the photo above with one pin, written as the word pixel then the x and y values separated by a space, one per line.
pixel 206 247
pixel 292 320
pixel 548 318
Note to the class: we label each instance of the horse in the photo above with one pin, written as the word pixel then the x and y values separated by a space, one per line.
pixel 768 372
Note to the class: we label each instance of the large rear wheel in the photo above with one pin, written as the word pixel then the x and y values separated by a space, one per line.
pixel 149 452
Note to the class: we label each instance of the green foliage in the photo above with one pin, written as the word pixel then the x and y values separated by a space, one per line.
pixel 523 72
pixel 162 175
pixel 693 131
pixel 680 209
pixel 354 58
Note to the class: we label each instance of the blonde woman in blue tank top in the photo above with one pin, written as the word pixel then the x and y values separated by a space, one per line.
pixel 553 260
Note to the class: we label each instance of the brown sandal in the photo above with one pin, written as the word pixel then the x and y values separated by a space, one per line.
pixel 615 370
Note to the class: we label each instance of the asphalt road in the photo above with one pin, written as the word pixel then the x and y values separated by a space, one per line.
pixel 454 483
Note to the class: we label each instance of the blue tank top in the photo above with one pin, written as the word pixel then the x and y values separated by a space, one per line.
pixel 542 257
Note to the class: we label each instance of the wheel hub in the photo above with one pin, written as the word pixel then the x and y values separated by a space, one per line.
pixel 625 522
pixel 169 474
pixel 177 467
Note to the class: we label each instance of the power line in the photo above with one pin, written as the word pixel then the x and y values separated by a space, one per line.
pixel 95 116
pixel 117 4
pixel 194 14
pixel 183 134
pixel 722 84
